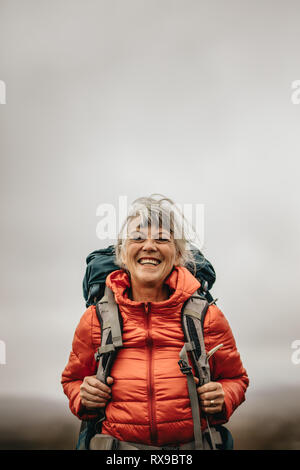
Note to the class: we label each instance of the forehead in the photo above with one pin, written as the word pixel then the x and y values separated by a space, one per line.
pixel 137 225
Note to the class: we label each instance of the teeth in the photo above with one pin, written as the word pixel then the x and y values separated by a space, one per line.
pixel 149 261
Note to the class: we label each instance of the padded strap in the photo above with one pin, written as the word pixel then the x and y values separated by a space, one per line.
pixel 192 321
pixel 194 312
pixel 106 349
pixel 114 318
pixel 187 370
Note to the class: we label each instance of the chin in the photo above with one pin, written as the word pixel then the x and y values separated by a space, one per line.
pixel 149 280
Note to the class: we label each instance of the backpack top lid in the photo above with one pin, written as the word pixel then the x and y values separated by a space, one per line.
pixel 100 263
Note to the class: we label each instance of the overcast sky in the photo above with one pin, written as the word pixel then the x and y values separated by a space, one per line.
pixel 189 98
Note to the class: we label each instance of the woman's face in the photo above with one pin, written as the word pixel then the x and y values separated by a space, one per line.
pixel 150 254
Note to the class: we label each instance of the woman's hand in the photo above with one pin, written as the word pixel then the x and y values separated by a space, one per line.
pixel 93 393
pixel 211 396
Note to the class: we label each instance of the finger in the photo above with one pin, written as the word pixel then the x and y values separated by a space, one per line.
pixel 94 391
pixel 93 382
pixel 91 405
pixel 210 395
pixel 196 380
pixel 94 398
pixel 209 387
pixel 211 403
pixel 109 380
pixel 212 410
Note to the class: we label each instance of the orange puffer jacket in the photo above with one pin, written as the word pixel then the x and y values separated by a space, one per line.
pixel 150 401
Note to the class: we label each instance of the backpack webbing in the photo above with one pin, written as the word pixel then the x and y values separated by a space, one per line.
pixel 193 314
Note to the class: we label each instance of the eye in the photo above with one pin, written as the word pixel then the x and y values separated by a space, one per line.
pixel 136 236
pixel 162 239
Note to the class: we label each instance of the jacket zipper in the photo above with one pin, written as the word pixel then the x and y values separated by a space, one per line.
pixel 149 342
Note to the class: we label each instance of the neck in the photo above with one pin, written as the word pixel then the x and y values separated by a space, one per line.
pixel 149 294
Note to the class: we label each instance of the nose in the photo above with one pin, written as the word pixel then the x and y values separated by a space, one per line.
pixel 149 245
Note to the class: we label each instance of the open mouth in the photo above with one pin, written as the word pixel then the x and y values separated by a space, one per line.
pixel 149 261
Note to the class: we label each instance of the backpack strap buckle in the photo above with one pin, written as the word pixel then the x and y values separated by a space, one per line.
pixel 97 355
pixel 185 367
pixel 106 349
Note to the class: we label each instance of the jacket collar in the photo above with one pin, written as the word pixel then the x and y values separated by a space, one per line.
pixel 181 282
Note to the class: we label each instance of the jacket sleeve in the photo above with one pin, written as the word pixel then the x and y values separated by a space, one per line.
pixel 226 365
pixel 81 364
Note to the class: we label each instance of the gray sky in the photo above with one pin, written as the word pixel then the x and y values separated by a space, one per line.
pixel 187 98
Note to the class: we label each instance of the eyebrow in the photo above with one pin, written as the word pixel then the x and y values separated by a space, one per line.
pixel 159 232
pixel 138 227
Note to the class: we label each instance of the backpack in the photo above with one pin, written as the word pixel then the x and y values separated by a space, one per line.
pixel 100 263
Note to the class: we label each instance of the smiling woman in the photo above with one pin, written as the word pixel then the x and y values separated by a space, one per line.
pixel 149 247
pixel 148 401
pixel 149 261
pixel 163 219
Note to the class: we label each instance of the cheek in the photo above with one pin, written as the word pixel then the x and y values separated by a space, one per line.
pixel 129 255
pixel 171 257
pixel 124 256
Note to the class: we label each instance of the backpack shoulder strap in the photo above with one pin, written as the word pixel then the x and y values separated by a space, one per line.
pixel 192 318
pixel 193 314
pixel 111 324
pixel 111 333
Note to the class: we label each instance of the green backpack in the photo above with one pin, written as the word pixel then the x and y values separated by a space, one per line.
pixel 100 263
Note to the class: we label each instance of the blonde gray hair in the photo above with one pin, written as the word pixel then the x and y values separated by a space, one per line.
pixel 161 212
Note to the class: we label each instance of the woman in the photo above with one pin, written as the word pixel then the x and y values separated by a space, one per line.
pixel 146 397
